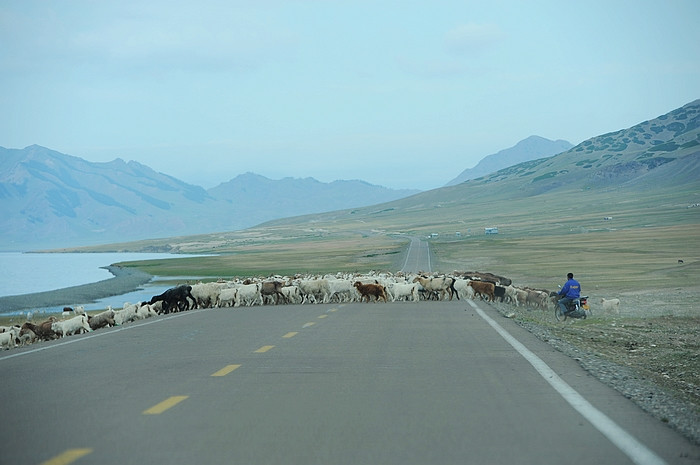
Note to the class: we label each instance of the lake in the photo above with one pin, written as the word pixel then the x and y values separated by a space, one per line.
pixel 26 273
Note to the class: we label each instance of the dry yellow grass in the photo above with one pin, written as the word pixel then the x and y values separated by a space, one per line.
pixel 284 257
pixel 624 259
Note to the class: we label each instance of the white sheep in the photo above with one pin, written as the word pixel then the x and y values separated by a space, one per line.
pixel 341 290
pixel 8 339
pixel 404 291
pixel 537 298
pixel 292 294
pixel 75 325
pixel 438 284
pixel 227 297
pixel 318 289
pixel 511 295
pixel 157 307
pixel 206 294
pixel 126 314
pixel 611 305
pixel 102 319
pixel 464 290
pixel 145 311
pixel 248 294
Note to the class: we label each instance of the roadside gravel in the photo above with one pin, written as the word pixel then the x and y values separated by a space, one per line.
pixel 650 352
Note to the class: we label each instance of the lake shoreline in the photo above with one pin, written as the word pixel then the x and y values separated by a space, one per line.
pixel 125 280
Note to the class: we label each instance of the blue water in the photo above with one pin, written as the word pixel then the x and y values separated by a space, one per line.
pixel 26 273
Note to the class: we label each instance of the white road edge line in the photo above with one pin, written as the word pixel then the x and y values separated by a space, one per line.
pixel 635 450
pixel 100 333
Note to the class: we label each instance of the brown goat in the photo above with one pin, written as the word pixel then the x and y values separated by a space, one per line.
pixel 484 288
pixel 273 288
pixel 369 290
pixel 43 330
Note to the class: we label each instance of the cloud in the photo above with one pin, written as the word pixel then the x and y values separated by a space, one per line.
pixel 144 36
pixel 471 37
pixel 205 44
pixel 432 68
pixel 463 40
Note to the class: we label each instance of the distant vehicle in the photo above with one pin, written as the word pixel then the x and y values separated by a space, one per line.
pixel 490 230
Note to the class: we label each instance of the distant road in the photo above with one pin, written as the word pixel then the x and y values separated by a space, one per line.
pixel 417 257
pixel 403 383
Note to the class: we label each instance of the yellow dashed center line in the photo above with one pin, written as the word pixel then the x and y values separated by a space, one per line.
pixel 69 456
pixel 263 349
pixel 226 370
pixel 165 405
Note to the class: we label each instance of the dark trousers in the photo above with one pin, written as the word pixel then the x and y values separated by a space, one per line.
pixel 562 304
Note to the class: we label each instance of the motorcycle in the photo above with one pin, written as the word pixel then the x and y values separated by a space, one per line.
pixel 576 308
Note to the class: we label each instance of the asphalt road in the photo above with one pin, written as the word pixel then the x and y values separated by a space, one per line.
pixel 398 383
pixel 417 257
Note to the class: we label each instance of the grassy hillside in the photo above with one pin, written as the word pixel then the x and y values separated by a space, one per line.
pixel 540 239
pixel 550 214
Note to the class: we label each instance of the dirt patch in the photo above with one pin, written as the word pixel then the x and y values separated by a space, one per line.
pixel 664 349
pixel 649 352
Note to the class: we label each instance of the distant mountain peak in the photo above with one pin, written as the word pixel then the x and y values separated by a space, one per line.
pixel 530 148
pixel 660 152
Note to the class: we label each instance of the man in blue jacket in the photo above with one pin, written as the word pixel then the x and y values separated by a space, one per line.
pixel 570 291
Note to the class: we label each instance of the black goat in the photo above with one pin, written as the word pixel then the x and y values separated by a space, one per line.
pixel 175 299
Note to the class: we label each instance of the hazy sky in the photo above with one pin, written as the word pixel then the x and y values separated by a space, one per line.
pixel 404 94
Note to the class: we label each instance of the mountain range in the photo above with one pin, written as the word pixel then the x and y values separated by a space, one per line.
pixel 49 199
pixel 656 161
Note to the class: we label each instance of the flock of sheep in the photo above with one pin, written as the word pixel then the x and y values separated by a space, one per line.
pixel 340 288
